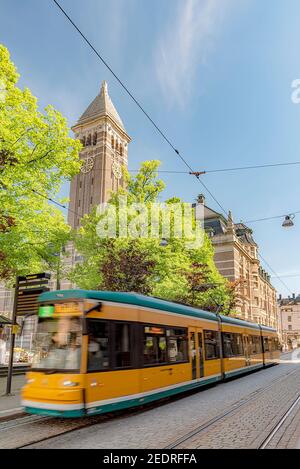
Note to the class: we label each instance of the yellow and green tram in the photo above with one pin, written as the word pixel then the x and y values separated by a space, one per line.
pixel 99 351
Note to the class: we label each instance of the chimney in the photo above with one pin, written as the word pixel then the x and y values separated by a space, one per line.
pixel 201 199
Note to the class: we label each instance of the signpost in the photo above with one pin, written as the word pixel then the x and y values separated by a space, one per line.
pixel 27 290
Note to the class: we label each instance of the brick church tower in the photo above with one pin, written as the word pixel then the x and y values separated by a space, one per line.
pixel 105 149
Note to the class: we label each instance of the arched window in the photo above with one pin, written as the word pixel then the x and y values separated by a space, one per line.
pixel 95 138
pixel 89 140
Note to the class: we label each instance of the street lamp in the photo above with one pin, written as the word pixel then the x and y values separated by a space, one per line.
pixel 288 221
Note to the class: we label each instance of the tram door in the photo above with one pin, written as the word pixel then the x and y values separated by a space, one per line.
pixel 200 351
pixel 193 354
pixel 247 350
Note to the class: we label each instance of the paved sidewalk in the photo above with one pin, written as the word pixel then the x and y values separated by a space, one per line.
pixel 10 405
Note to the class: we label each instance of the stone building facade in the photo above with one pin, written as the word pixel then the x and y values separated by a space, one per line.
pixel 290 320
pixel 236 258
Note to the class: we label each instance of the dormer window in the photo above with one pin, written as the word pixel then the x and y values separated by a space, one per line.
pixel 95 138
pixel 112 142
pixel 83 141
pixel 89 140
pixel 121 150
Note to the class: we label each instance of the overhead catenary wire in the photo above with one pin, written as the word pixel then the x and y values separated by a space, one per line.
pixel 275 273
pixel 142 109
pixel 146 114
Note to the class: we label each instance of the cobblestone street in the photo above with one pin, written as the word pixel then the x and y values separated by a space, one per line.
pixel 237 414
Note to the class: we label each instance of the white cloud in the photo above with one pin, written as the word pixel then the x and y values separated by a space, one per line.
pixel 185 44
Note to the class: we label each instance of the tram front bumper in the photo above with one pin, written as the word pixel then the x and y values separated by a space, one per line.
pixel 56 395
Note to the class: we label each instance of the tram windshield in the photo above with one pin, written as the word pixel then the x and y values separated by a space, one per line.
pixel 57 344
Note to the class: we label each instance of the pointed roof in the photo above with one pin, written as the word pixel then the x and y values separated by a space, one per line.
pixel 101 106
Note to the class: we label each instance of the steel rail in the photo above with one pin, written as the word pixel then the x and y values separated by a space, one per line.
pixel 209 423
pixel 278 426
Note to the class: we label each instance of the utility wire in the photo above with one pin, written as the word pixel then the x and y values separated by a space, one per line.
pixel 288 276
pixel 147 115
pixel 271 218
pixel 137 103
pixel 275 274
pixel 241 168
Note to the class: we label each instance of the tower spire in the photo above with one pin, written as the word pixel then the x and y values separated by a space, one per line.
pixel 104 87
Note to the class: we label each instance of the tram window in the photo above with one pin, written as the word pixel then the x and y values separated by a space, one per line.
pixel 98 352
pixel 233 344
pixel 155 345
pixel 211 344
pixel 177 345
pixel 266 344
pixel 122 345
pixel 255 344
pixel 275 344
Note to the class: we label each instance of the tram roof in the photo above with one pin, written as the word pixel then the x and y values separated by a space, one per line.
pixel 147 302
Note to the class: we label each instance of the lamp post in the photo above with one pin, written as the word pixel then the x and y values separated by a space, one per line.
pixel 12 340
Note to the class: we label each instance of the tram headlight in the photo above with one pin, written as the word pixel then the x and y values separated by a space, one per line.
pixel 30 381
pixel 70 384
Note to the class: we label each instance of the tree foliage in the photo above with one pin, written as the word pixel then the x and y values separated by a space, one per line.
pixel 36 156
pixel 172 271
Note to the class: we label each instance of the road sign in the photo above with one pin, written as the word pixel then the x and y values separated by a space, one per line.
pixel 27 300
pixel 29 289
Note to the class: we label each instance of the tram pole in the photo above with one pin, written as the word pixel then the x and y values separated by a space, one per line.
pixel 12 340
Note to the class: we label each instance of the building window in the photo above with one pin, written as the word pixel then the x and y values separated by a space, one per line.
pixel 89 140
pixel 289 318
pixel 78 203
pixel 211 345
pixel 95 138
pixel 92 181
pixel 91 200
pixel 80 184
pixel 112 142
pixel 289 327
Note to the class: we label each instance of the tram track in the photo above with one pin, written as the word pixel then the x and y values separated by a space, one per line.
pixel 201 429
pixel 60 427
pixel 268 439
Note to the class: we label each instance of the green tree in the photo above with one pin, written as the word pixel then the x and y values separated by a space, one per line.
pixel 144 264
pixel 36 157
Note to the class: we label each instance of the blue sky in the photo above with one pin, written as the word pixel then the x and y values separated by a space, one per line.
pixel 214 74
